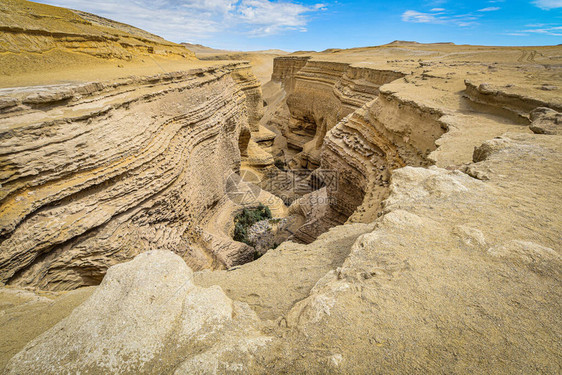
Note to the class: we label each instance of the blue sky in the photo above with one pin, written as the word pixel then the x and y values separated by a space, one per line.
pixel 317 25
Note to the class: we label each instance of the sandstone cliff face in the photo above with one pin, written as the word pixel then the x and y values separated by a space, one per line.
pixel 340 121
pixel 94 174
pixel 284 69
pixel 319 95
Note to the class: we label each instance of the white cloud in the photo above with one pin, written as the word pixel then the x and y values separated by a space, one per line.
pixel 193 20
pixel 444 16
pixel 462 20
pixel 272 17
pixel 548 4
pixel 552 30
pixel 419 17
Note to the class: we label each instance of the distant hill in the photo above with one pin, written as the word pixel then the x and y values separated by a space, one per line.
pixel 406 42
pixel 199 48
pixel 272 51
pixel 38 37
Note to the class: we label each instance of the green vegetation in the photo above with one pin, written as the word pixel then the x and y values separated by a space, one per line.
pixel 280 164
pixel 246 219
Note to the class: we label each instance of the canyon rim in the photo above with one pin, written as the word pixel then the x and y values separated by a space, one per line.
pixel 170 208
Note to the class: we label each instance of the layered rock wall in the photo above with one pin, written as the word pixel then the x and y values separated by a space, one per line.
pixel 319 95
pixel 93 174
pixel 387 133
pixel 285 68
pixel 342 122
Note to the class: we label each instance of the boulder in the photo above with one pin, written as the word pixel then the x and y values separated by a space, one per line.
pixel 147 316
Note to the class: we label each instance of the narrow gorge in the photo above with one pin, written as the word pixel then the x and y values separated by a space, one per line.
pixel 148 148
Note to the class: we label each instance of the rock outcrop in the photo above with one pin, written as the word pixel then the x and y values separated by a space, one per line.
pixel 38 37
pixel 505 99
pixel 546 121
pixel 152 319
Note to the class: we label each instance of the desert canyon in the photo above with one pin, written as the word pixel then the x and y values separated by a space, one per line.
pixel 414 189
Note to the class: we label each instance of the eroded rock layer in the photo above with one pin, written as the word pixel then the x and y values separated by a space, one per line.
pixel 340 121
pixel 93 174
pixel 319 95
